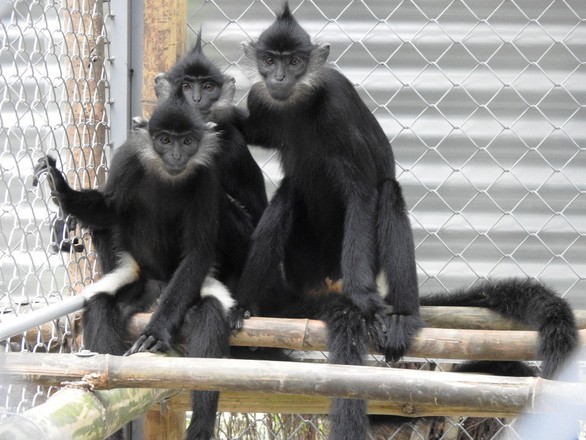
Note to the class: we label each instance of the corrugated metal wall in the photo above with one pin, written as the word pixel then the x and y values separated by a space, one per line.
pixel 483 102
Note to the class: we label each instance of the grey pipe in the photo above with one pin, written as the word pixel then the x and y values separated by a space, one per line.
pixel 38 317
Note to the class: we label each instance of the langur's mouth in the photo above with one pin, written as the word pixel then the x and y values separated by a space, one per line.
pixel 279 93
pixel 175 171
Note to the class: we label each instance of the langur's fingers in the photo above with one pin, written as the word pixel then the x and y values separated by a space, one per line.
pixel 136 346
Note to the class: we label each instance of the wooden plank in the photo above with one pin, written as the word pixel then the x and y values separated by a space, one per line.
pixel 164 42
pixel 162 424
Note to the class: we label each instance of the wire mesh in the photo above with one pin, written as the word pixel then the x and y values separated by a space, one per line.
pixel 483 102
pixel 53 89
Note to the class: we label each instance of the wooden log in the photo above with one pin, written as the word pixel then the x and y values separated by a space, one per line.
pixel 305 334
pixel 415 393
pixel 436 317
pixel 255 402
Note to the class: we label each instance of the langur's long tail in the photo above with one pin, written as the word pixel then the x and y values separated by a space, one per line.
pixel 205 329
pixel 529 302
pixel 347 344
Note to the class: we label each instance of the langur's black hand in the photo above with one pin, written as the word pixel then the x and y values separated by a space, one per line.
pixel 44 164
pixel 148 341
pixel 395 334
pixel 237 315
pixel 55 179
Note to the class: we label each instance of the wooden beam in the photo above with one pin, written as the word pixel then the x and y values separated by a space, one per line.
pixel 163 424
pixel 164 42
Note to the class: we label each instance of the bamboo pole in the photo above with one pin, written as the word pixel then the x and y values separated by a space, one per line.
pixel 412 392
pixel 436 317
pixel 478 318
pixel 77 413
pixel 305 334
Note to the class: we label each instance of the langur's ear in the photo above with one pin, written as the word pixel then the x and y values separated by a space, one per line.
pixel 249 50
pixel 229 78
pixel 162 86
pixel 228 91
pixel 139 123
pixel 320 53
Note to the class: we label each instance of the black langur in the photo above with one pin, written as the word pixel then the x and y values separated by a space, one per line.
pixel 339 214
pixel 211 93
pixel 176 237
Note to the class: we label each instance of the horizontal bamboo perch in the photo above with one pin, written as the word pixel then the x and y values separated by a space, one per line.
pixel 78 414
pixel 413 392
pixel 437 317
pixel 478 318
pixel 304 334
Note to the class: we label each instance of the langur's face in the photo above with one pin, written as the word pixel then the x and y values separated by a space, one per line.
pixel 281 72
pixel 202 92
pixel 175 150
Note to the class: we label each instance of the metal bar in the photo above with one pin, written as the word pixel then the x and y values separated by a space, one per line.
pixel 136 57
pixel 38 317
pixel 120 72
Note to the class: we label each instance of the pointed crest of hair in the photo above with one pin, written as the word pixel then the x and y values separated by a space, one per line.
pixel 285 14
pixel 197 47
pixel 285 35
pixel 195 64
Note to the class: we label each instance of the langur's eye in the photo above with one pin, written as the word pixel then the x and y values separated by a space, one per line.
pixel 294 61
pixel 269 61
pixel 209 87
pixel 186 85
pixel 187 141
pixel 165 140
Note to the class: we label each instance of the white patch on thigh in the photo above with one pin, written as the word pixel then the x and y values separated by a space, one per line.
pixel 214 288
pixel 127 271
pixel 381 282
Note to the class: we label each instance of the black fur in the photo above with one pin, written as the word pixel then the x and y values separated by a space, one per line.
pixel 240 175
pixel 170 214
pixel 207 319
pixel 530 303
pixel 338 213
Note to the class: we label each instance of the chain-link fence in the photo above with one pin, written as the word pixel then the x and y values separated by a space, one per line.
pixel 483 102
pixel 53 99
